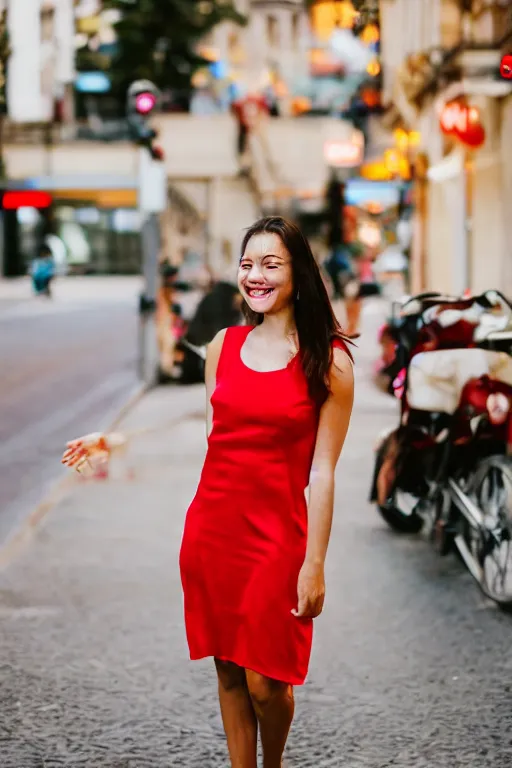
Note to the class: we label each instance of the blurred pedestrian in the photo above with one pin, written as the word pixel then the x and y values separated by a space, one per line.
pixel 248 110
pixel 42 271
pixel 219 308
pixel 279 398
pixel 165 318
pixel 361 285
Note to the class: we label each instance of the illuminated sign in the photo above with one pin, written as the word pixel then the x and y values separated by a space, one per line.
pixel 92 82
pixel 343 154
pixel 13 200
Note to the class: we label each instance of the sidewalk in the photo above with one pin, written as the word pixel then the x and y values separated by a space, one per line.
pixel 95 667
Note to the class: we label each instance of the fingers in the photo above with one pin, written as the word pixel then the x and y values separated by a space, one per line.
pixel 90 439
pixel 73 457
pixel 309 609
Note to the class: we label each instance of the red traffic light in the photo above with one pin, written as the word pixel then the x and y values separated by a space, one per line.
pixel 145 102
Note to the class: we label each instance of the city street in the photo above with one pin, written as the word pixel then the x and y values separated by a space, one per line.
pixel 411 666
pixel 67 364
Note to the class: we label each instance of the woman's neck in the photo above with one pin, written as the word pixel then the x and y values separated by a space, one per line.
pixel 280 324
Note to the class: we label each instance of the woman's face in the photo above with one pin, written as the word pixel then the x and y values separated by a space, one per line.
pixel 265 276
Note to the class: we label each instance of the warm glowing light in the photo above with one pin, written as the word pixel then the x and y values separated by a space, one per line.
pixel 327 15
pixel 370 34
pixel 370 233
pixel 376 171
pixel 373 68
pixel 414 138
pixel 406 139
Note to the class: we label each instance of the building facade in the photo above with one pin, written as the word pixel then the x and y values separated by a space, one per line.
pixel 272 47
pixel 436 52
pixel 41 65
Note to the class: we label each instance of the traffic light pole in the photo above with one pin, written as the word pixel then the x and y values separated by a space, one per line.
pixel 142 99
pixel 148 343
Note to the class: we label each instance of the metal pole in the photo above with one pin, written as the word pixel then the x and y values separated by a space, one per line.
pixel 152 194
pixel 149 353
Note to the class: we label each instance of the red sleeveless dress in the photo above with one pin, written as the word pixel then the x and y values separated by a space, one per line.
pixel 245 532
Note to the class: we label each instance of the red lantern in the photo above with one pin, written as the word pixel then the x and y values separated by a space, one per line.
pixel 464 123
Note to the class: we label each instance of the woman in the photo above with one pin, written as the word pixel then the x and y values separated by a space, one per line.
pixel 279 399
pixel 279 394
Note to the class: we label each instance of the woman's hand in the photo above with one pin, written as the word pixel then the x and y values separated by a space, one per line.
pixel 310 591
pixel 82 451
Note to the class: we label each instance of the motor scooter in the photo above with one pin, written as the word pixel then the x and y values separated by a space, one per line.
pixel 446 469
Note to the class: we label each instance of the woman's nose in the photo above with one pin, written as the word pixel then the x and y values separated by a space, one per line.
pixel 255 273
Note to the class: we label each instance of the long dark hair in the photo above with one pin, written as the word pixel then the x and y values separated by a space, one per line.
pixel 317 326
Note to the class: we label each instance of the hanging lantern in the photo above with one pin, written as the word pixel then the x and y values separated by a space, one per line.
pixel 464 123
pixel 474 134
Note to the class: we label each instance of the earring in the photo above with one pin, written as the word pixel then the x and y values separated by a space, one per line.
pixel 298 295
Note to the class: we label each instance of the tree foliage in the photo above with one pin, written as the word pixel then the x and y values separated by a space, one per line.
pixel 157 39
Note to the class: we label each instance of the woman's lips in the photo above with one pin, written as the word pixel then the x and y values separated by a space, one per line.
pixel 258 293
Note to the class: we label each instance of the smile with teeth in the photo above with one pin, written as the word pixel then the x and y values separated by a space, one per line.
pixel 259 293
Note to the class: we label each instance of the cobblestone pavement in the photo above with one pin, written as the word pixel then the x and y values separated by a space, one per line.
pixel 411 667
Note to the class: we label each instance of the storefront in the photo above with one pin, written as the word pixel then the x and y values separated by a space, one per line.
pixel 91 230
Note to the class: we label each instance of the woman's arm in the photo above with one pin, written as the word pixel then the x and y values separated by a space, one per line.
pixel 332 430
pixel 212 362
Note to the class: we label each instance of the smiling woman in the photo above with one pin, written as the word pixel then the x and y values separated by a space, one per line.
pixel 279 399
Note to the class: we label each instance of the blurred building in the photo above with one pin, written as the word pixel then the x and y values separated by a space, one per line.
pixel 41 65
pixel 447 52
pixel 270 50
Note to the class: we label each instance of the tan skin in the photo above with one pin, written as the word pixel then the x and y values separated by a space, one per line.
pixel 250 701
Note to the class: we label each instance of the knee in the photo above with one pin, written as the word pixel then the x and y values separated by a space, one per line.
pixel 230 675
pixel 264 691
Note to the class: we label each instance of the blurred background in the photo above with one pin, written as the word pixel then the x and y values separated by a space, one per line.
pixel 138 140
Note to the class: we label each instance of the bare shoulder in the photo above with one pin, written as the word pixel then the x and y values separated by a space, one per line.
pixel 341 374
pixel 215 345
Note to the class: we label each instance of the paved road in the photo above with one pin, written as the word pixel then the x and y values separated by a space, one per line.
pixel 411 668
pixel 65 366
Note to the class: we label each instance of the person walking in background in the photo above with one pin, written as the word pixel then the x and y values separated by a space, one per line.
pixel 279 395
pixel 248 110
pixel 362 285
pixel 42 271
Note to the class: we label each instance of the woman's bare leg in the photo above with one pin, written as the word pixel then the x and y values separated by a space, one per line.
pixel 274 706
pixel 238 716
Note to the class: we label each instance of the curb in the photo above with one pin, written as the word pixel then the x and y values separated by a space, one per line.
pixel 14 543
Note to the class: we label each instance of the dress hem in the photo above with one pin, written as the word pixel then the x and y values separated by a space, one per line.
pixel 292 681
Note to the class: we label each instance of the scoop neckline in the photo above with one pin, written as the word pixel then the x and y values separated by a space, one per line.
pixel 274 370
